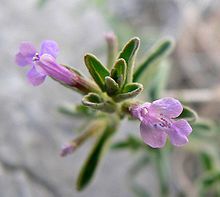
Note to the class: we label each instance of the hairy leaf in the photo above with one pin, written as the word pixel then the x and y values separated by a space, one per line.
pixel 130 91
pixel 159 51
pixel 128 53
pixel 94 101
pixel 111 86
pixel 118 73
pixel 97 70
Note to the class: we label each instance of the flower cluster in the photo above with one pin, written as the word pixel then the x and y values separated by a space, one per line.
pixel 109 96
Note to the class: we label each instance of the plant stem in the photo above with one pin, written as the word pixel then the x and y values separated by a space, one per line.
pixel 162 171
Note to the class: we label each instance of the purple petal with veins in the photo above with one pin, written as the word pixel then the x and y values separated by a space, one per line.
pixel 168 107
pixel 152 136
pixel 157 122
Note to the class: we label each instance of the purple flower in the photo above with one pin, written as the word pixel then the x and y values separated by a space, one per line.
pixel 43 63
pixel 158 122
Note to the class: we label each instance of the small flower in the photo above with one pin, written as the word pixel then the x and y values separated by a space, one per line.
pixel 67 149
pixel 43 63
pixel 158 122
pixel 110 37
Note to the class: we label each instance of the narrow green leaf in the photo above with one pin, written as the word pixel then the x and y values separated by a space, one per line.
pixel 128 53
pixel 77 111
pixel 203 126
pixel 130 91
pixel 94 101
pixel 210 179
pixel 93 159
pixel 188 114
pixel 97 70
pixel 203 129
pixel 112 87
pixel 118 73
pixel 155 55
pixel 158 83
pixel 207 161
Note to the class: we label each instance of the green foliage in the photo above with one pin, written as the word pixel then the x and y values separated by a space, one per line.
pixel 210 179
pixel 97 70
pixel 207 161
pixel 158 83
pixel 118 72
pixel 95 101
pixel 115 83
pixel 130 91
pixel 77 111
pixel 128 53
pixel 94 157
pixel 118 86
pixel 112 87
pixel 156 54
pixel 188 114
pixel 132 143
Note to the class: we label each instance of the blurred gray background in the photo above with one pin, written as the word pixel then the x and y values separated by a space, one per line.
pixel 31 129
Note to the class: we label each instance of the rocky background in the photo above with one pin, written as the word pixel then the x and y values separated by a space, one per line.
pixel 32 130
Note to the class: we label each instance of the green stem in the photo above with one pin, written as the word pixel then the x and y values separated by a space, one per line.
pixel 162 171
pixel 93 128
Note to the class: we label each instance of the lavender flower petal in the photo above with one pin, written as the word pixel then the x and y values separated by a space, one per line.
pixel 27 49
pixel 49 47
pixel 184 126
pixel 34 77
pixel 177 137
pixel 21 60
pixel 169 107
pixel 153 137
pixel 25 54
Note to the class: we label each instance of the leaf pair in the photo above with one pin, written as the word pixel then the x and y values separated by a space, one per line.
pixel 117 83
pixel 95 101
pixel 129 91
